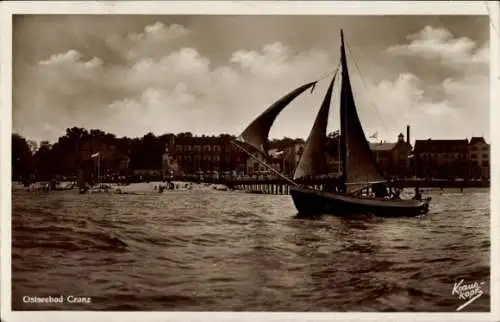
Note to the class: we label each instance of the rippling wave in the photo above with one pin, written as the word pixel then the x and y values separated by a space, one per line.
pixel 220 251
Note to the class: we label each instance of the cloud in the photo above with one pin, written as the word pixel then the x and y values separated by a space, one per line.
pixel 452 105
pixel 93 63
pixel 459 110
pixel 154 41
pixel 441 44
pixel 190 94
pixel 72 58
pixel 154 110
pixel 184 65
pixel 165 84
pixel 269 60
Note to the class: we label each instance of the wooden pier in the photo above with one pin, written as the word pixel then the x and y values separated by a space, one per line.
pixel 264 188
pixel 278 186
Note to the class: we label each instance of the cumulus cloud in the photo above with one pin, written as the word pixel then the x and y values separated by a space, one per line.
pixel 72 58
pixel 184 65
pixel 460 109
pixel 267 61
pixel 171 108
pixel 193 95
pixel 440 43
pixel 454 107
pixel 164 84
pixel 154 41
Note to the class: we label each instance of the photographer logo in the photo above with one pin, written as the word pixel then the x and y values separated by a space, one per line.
pixel 467 291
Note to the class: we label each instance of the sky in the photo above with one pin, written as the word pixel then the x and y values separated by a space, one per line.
pixel 130 75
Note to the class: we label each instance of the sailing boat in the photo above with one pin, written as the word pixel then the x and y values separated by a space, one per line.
pixel 359 167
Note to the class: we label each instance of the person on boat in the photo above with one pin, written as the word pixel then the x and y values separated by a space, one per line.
pixel 380 190
pixel 340 183
pixel 331 186
pixel 327 187
pixel 418 195
pixel 336 184
pixel 396 193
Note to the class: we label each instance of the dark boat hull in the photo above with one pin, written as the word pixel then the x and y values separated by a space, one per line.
pixel 310 202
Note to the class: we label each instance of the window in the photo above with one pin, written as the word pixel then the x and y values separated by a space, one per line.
pixel 178 148
pixel 473 156
pixel 485 156
pixel 216 148
pixel 206 148
pixel 486 164
pixel 474 148
pixel 197 148
pixel 187 148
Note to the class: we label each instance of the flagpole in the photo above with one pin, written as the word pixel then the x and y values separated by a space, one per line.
pixel 98 167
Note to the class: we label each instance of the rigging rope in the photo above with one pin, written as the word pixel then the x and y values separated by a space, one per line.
pixel 269 167
pixel 330 72
pixel 364 83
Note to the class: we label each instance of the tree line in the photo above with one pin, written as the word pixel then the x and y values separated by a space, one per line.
pixel 65 157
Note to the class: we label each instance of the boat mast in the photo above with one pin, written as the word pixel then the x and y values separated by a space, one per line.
pixel 339 163
pixel 359 163
pixel 343 114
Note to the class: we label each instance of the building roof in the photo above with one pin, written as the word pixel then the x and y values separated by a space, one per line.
pixel 383 146
pixel 477 139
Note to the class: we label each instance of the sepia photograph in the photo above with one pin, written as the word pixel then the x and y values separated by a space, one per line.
pixel 261 161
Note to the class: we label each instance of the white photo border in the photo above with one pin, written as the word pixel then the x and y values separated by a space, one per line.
pixel 8 9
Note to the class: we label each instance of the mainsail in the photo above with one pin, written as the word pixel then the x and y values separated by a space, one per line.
pixel 313 161
pixel 360 166
pixel 256 134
